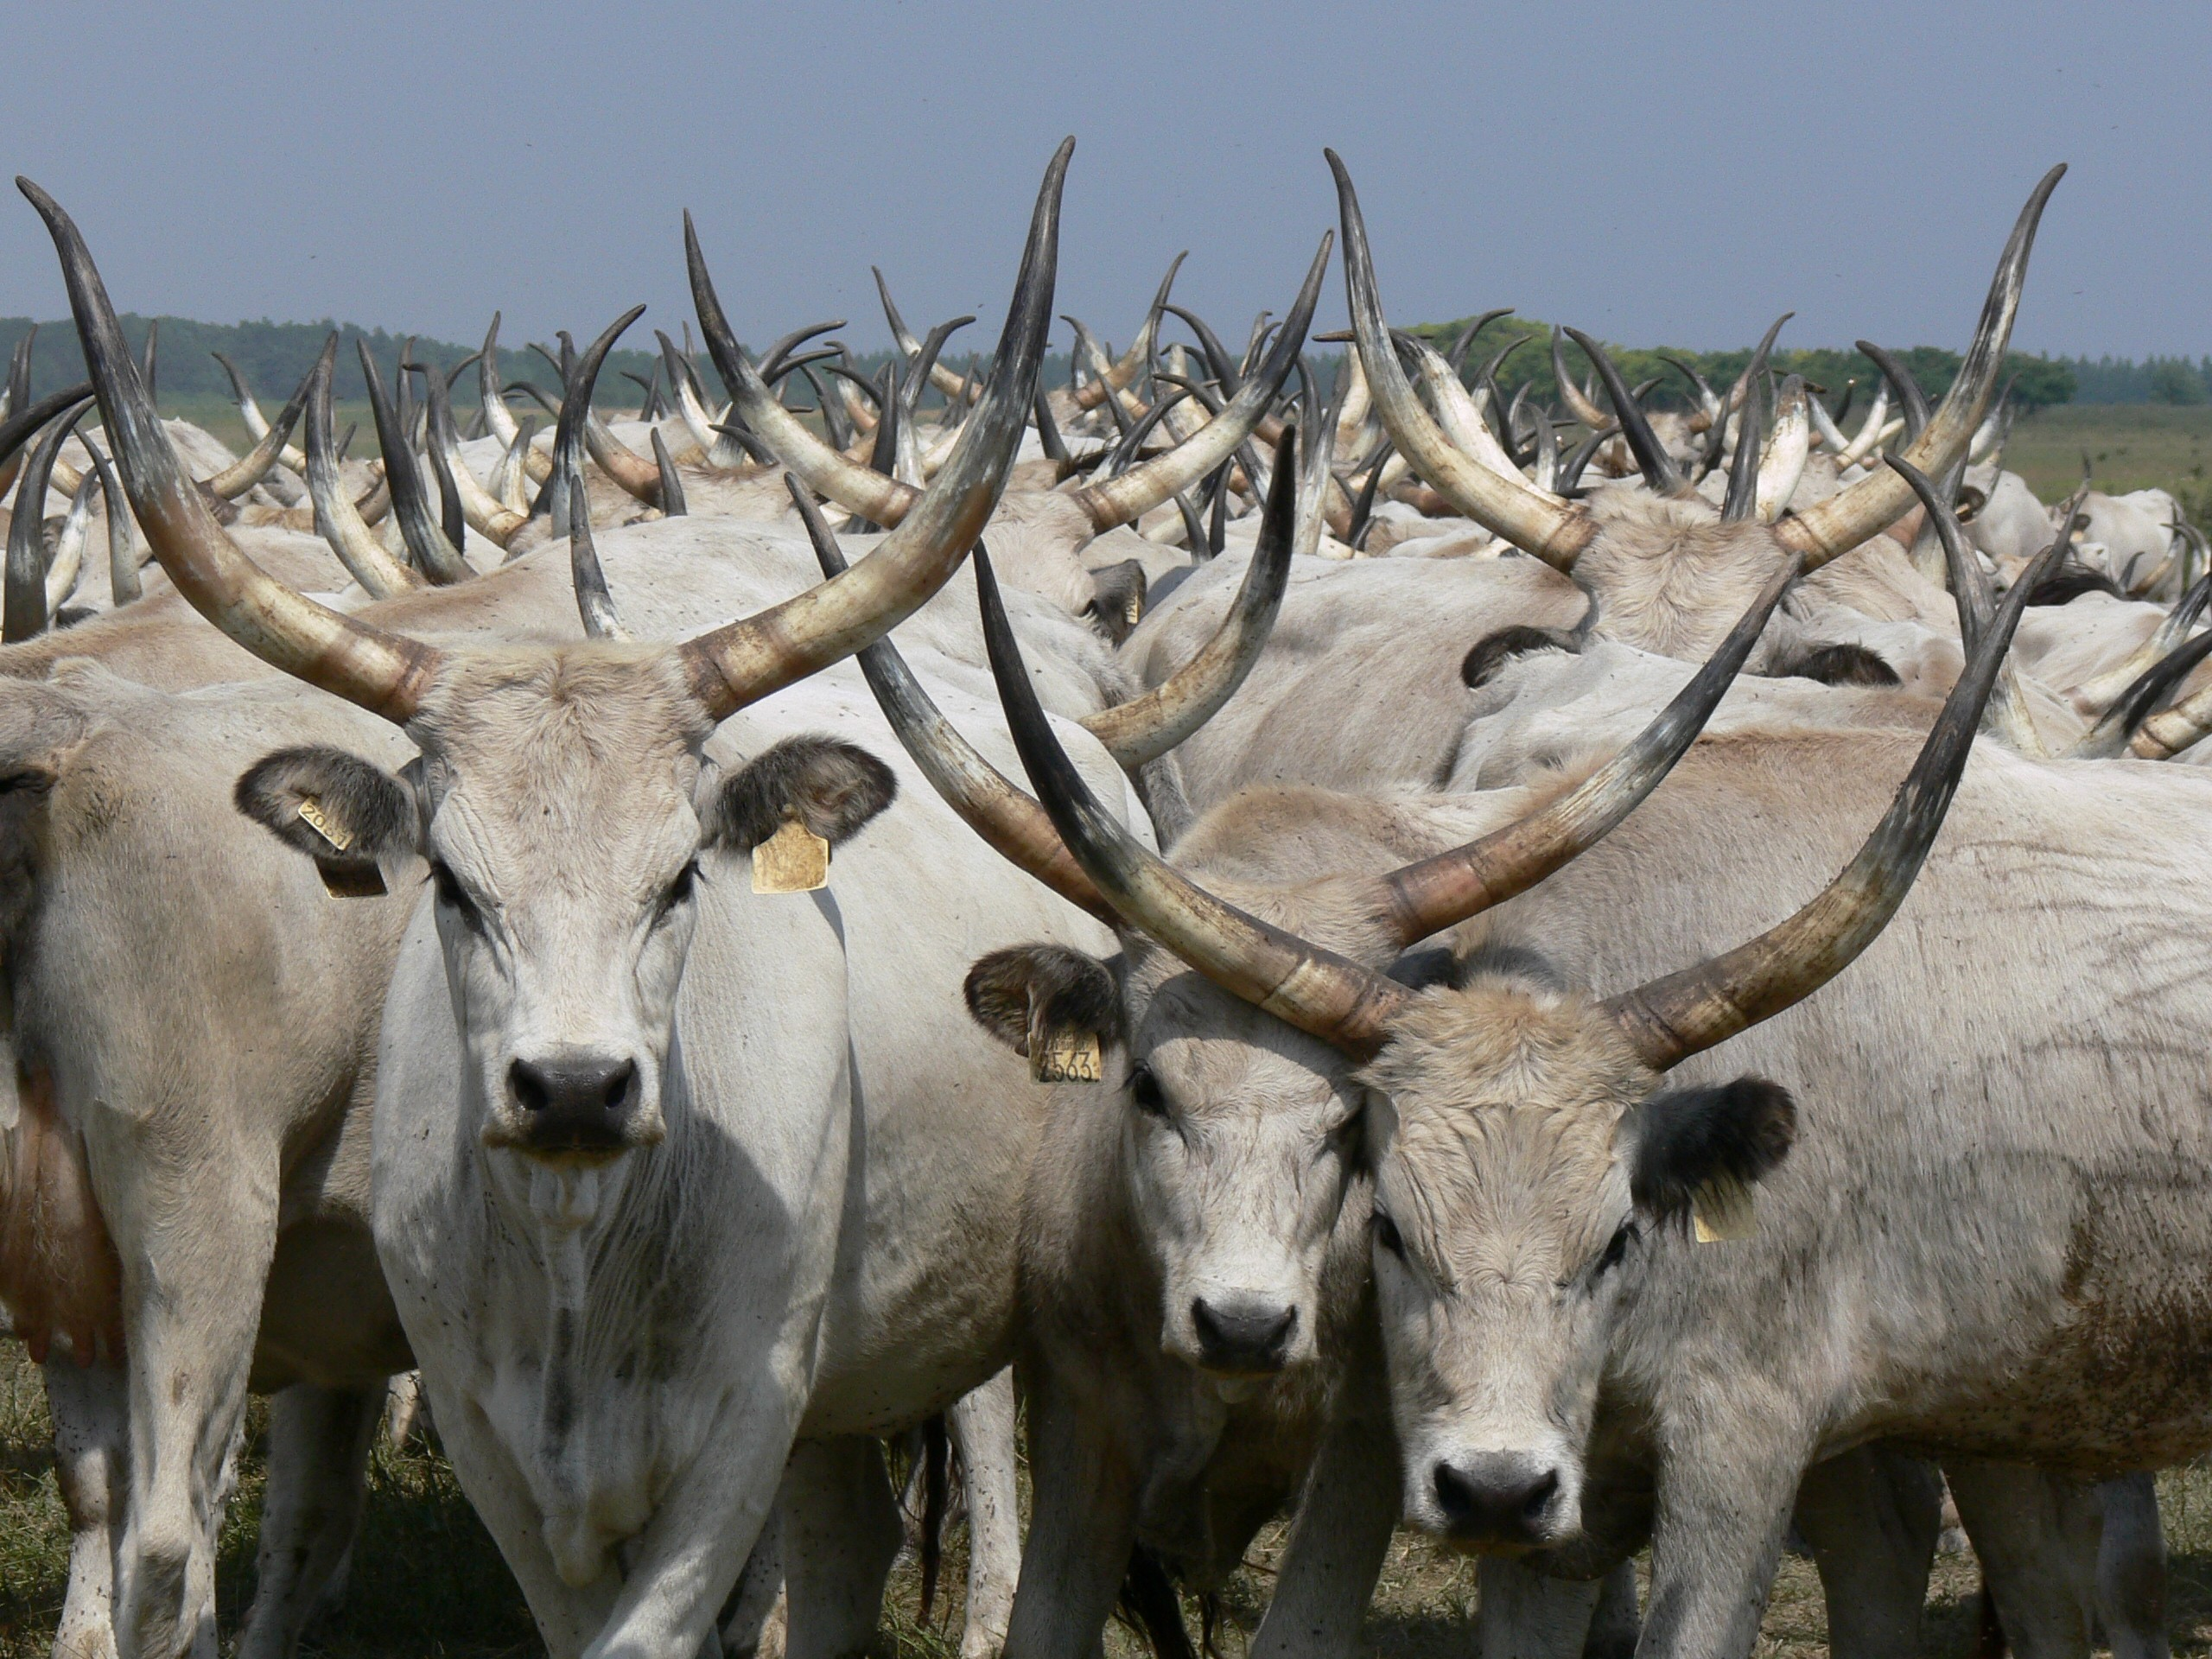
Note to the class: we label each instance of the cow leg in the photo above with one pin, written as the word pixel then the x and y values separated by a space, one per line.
pixel 1521 1614
pixel 191 1305
pixel 1871 1515
pixel 1616 1625
pixel 2011 1514
pixel 2132 1569
pixel 841 1535
pixel 754 1624
pixel 1082 1517
pixel 568 1616
pixel 403 1409
pixel 1725 1492
pixel 318 1452
pixel 91 1408
pixel 981 1425
pixel 1337 1541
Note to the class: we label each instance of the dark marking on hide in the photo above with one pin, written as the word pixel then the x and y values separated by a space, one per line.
pixel 1418 970
pixel 1740 1130
pixel 833 787
pixel 2069 583
pixel 1492 652
pixel 1522 964
pixel 369 807
pixel 59 1271
pixel 1027 991
pixel 1841 664
pixel 1148 1597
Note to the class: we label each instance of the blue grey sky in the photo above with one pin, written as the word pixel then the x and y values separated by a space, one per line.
pixel 1653 173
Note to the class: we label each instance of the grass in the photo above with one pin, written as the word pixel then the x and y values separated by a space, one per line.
pixel 428 1581
pixel 2129 446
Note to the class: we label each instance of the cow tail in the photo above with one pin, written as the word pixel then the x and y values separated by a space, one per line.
pixel 934 1461
pixel 1148 1599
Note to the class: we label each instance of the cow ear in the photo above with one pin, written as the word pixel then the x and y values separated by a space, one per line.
pixel 832 787
pixel 1119 606
pixel 1492 652
pixel 1689 1140
pixel 1031 992
pixel 1841 664
pixel 346 813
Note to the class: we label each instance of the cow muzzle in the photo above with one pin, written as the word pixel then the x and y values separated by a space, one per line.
pixel 1243 1336
pixel 574 1104
pixel 1502 1501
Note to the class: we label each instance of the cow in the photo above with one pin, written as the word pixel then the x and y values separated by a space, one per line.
pixel 594 1104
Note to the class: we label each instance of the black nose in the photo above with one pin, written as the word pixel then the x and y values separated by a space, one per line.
pixel 1501 1497
pixel 1242 1337
pixel 575 1101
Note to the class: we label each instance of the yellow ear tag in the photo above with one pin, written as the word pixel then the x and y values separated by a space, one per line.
pixel 793 860
pixel 1133 609
pixel 1723 1209
pixel 315 819
pixel 1066 1056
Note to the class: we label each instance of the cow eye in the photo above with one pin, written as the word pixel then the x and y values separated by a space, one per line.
pixel 1145 1091
pixel 451 894
pixel 1616 1250
pixel 679 891
pixel 1386 1235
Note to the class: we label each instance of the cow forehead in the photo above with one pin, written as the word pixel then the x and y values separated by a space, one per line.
pixel 1505 1102
pixel 593 746
pixel 1218 1055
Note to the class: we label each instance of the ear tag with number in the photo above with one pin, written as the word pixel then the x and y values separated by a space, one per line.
pixel 1132 611
pixel 1723 1209
pixel 342 877
pixel 323 824
pixel 1065 1056
pixel 793 860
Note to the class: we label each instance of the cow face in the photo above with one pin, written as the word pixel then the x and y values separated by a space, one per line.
pixel 1525 1169
pixel 561 806
pixel 1238 1141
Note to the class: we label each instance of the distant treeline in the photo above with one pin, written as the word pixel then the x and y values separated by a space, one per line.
pixel 275 357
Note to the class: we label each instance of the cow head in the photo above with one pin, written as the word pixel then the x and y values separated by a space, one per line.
pixel 558 797
pixel 1238 1141
pixel 1526 1165
pixel 563 963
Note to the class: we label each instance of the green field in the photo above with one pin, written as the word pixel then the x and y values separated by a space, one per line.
pixel 2128 446
pixel 427 1579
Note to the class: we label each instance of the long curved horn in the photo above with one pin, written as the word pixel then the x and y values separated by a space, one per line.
pixel 425 539
pixel 1782 460
pixel 747 660
pixel 68 567
pixel 672 505
pixel 1570 394
pixel 1668 1019
pixel 1147 727
pixel 593 603
pixel 122 553
pixel 481 510
pixel 1319 992
pixel 1427 897
pixel 1660 473
pixel 251 467
pixel 857 488
pixel 569 434
pixel 1910 399
pixel 250 413
pixel 382 672
pixel 1012 823
pixel 336 518
pixel 903 337
pixel 24 613
pixel 1849 517
pixel 1137 492
pixel 498 419
pixel 23 425
pixel 1742 499
pixel 1533 521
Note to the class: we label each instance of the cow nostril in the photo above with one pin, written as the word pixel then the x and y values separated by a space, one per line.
pixel 617 1092
pixel 529 1088
pixel 1242 1337
pixel 1540 1497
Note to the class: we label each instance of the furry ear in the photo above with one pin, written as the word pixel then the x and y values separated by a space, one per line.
pixel 342 812
pixel 1120 604
pixel 1841 664
pixel 1494 651
pixel 1026 991
pixel 1736 1131
pixel 833 786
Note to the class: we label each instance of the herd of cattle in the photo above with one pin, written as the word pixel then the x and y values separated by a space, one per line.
pixel 1583 980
